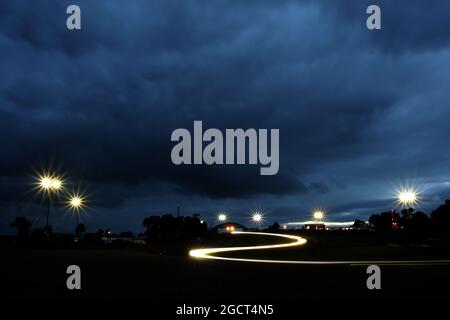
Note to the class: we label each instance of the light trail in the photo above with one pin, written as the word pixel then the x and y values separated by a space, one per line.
pixel 206 253
pixel 298 241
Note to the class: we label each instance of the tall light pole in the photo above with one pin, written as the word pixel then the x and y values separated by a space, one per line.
pixel 49 185
pixel 407 198
pixel 76 202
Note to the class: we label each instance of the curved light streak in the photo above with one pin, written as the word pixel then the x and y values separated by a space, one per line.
pixel 206 253
pixel 298 241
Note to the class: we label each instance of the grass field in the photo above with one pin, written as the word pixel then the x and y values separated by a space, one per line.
pixel 138 274
pixel 345 247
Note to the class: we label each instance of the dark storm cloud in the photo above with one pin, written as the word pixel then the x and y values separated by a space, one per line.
pixel 408 26
pixel 103 102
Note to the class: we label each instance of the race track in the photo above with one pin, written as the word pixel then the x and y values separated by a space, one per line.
pixel 213 253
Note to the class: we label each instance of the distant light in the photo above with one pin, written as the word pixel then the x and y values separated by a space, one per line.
pixel 76 201
pixel 222 217
pixel 407 197
pixel 56 184
pixel 257 217
pixel 45 183
pixel 318 214
pixel 326 223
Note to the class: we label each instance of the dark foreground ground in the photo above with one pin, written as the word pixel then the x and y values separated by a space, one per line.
pixel 136 274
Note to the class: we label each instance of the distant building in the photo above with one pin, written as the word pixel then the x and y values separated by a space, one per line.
pixel 314 227
pixel 361 225
pixel 228 227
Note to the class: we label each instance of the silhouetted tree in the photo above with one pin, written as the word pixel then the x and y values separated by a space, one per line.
pixel 410 224
pixel 384 221
pixel 359 224
pixel 420 222
pixel 275 227
pixel 440 218
pixel 152 227
pixel 168 227
pixel 22 225
pixel 407 214
pixel 415 224
pixel 374 220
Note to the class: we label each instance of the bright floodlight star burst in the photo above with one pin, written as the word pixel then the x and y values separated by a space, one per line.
pixel 257 217
pixel 56 184
pixel 76 202
pixel 318 214
pixel 222 217
pixel 407 197
pixel 45 183
pixel 49 183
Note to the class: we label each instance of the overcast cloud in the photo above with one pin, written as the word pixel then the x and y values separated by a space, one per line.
pixel 360 112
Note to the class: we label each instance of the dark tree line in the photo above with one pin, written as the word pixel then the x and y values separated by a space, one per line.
pixel 440 218
pixel 23 227
pixel 414 222
pixel 168 227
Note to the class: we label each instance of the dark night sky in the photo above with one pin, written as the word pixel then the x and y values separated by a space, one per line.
pixel 360 112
